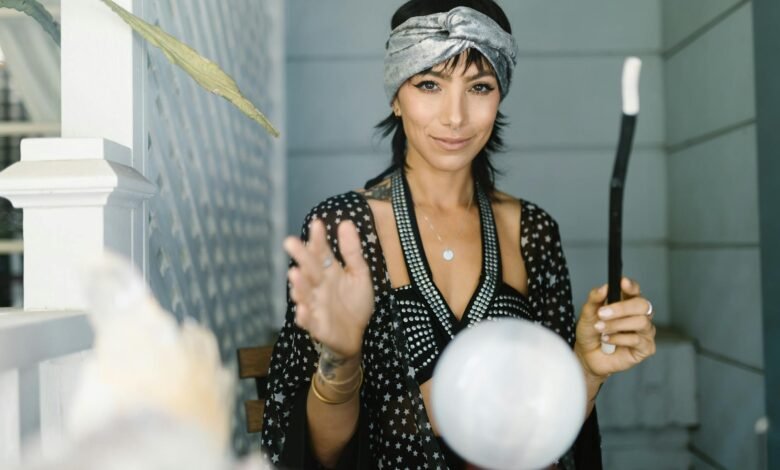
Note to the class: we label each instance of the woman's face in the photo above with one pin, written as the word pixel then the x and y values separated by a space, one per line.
pixel 448 115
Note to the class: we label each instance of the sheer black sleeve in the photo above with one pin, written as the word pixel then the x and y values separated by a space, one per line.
pixel 285 435
pixel 550 294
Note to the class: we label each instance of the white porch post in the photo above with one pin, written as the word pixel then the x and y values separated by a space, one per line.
pixel 84 192
pixel 102 75
pixel 81 194
pixel 80 197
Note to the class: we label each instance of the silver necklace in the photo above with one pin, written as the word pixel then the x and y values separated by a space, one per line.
pixel 448 253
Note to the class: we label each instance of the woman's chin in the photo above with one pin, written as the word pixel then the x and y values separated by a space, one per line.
pixel 452 162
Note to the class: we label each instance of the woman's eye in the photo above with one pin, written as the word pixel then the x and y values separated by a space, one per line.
pixel 483 88
pixel 427 85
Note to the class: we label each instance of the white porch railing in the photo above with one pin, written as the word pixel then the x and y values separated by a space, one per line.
pixel 78 200
pixel 38 372
pixel 81 194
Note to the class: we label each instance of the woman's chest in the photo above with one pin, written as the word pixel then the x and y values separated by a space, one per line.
pixel 455 264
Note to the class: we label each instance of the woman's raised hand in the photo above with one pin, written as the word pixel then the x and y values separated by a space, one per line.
pixel 626 324
pixel 333 303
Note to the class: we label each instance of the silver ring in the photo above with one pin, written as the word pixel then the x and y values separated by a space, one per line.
pixel 327 262
pixel 649 309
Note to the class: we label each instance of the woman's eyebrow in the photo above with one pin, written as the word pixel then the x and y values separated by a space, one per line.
pixel 442 75
pixel 448 76
pixel 478 75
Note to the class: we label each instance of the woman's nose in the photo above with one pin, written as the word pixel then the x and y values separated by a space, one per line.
pixel 454 112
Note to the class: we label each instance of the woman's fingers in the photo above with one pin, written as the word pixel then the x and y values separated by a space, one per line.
pixel 596 298
pixel 305 260
pixel 313 276
pixel 300 293
pixel 630 307
pixel 630 288
pixel 639 346
pixel 318 243
pixel 310 257
pixel 300 289
pixel 624 324
pixel 629 340
pixel 597 295
pixel 635 323
pixel 302 315
pixel 351 248
pixel 330 298
pixel 587 336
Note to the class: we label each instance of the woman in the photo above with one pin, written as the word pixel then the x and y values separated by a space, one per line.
pixel 425 250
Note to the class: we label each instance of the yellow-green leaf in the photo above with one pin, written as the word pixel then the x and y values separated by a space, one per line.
pixel 38 13
pixel 205 72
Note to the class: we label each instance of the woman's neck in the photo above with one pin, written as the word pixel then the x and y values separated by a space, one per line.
pixel 441 190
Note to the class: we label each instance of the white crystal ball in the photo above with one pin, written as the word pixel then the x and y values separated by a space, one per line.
pixel 509 394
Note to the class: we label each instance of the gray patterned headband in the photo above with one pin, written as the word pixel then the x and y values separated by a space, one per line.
pixel 421 42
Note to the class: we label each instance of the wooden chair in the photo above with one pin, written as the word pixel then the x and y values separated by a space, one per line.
pixel 253 363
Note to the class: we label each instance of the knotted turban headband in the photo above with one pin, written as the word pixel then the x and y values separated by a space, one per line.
pixel 421 42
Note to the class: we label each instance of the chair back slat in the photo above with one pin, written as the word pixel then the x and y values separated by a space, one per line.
pixel 253 363
pixel 254 415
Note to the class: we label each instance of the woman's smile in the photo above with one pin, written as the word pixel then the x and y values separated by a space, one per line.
pixel 451 144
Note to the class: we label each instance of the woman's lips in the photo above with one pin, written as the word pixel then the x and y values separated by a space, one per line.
pixel 451 144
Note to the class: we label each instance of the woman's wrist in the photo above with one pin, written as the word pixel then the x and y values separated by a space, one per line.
pixel 336 394
pixel 334 367
pixel 337 379
pixel 593 386
pixel 593 381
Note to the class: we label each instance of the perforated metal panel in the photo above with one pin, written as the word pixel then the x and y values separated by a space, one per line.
pixel 214 227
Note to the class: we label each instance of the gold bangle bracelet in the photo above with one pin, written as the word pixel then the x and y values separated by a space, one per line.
pixel 351 391
pixel 333 383
pixel 328 401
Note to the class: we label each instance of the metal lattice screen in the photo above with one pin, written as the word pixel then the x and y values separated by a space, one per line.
pixel 212 227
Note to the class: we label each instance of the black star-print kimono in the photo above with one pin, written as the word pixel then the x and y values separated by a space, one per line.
pixel 409 328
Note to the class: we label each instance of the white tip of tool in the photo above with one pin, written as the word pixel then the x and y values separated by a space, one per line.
pixel 762 425
pixel 631 69
pixel 607 348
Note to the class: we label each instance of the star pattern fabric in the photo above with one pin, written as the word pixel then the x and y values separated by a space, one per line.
pixel 394 431
pixel 427 322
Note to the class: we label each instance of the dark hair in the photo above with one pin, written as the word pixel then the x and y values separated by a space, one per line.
pixel 482 168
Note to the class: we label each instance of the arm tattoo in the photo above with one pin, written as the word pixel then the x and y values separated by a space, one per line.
pixel 329 362
pixel 382 191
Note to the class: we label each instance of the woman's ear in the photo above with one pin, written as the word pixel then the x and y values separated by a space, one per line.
pixel 396 108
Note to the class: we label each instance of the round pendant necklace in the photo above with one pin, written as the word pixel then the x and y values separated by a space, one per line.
pixel 448 253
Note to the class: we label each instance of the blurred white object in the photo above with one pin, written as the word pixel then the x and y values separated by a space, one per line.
pixel 153 395
pixel 509 394
pixel 147 440
pixel 144 441
pixel 143 361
